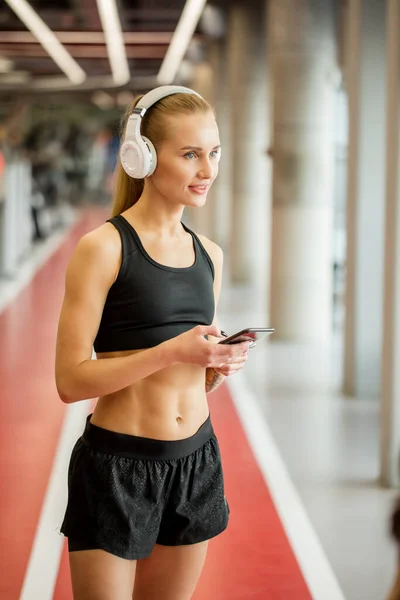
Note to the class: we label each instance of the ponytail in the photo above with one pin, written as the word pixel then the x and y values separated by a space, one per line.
pixel 127 190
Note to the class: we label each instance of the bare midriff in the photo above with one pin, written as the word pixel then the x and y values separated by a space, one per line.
pixel 170 404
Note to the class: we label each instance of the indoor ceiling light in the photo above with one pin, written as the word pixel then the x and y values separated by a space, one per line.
pixel 103 100
pixel 124 98
pixel 46 37
pixel 15 77
pixel 180 40
pixel 5 64
pixel 114 40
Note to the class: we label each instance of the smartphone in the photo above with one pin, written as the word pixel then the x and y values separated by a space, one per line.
pixel 254 334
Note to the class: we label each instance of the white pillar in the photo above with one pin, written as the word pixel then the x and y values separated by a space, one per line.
pixel 390 406
pixel 365 80
pixel 9 237
pixel 301 62
pixel 250 202
pixel 220 195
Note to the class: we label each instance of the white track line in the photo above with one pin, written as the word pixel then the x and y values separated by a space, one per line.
pixel 39 255
pixel 41 574
pixel 310 555
pixel 43 566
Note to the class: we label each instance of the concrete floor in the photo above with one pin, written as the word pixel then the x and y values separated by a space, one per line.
pixel 330 445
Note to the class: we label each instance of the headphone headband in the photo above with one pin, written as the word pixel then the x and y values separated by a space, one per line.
pixel 135 118
pixel 159 93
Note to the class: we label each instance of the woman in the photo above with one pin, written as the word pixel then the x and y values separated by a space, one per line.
pixel 146 488
pixel 394 593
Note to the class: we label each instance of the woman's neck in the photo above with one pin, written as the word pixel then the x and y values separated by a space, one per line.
pixel 157 215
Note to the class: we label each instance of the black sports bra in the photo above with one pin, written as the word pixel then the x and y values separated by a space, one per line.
pixel 150 303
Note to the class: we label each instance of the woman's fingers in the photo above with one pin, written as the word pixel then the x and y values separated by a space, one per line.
pixel 238 360
pixel 232 366
pixel 227 370
pixel 234 360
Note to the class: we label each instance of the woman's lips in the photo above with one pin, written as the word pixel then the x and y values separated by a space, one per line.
pixel 199 189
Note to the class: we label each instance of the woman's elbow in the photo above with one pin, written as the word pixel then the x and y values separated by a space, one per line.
pixel 72 385
pixel 63 394
pixel 65 390
pixel 70 393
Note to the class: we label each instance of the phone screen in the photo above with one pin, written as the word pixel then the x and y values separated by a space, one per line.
pixel 254 335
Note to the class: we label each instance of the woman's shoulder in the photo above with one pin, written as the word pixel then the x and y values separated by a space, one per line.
pixel 98 249
pixel 214 252
pixel 103 239
pixel 212 248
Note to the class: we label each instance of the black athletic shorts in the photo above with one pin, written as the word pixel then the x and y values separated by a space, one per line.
pixel 127 493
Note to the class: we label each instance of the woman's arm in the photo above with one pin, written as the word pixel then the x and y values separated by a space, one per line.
pixel 214 379
pixel 90 274
pixel 217 375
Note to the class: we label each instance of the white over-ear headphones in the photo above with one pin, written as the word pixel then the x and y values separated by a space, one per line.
pixel 138 155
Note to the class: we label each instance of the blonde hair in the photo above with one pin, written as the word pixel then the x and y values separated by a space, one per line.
pixel 128 190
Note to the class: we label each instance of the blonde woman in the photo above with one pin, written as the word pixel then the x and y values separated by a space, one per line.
pixel 394 593
pixel 146 488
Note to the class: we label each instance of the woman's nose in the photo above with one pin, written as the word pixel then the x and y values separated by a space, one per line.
pixel 206 171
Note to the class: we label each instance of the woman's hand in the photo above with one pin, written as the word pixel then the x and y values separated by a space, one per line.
pixel 215 376
pixel 192 347
pixel 236 363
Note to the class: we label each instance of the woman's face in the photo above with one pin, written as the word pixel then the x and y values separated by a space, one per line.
pixel 187 161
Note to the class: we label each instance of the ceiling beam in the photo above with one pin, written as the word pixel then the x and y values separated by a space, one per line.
pixel 87 37
pixel 47 39
pixel 35 50
pixel 140 83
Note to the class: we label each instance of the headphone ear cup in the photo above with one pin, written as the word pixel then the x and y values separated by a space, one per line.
pixel 152 156
pixel 135 158
pixel 130 158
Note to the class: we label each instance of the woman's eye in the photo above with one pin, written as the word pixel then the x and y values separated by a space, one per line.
pixel 190 155
pixel 214 153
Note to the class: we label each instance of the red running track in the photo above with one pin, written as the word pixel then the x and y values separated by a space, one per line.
pixel 251 560
pixel 31 413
